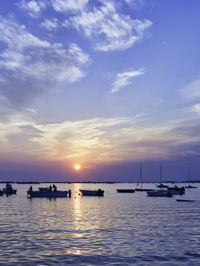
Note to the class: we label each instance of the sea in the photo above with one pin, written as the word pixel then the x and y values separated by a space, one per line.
pixel 117 229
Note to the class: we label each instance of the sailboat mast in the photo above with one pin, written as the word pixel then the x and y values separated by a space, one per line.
pixel 141 174
pixel 160 174
pixel 189 174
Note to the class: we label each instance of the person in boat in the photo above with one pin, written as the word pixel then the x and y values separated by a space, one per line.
pixel 30 189
pixel 54 187
pixel 8 188
pixel 50 188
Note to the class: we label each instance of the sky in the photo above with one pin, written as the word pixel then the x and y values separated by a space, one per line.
pixel 107 84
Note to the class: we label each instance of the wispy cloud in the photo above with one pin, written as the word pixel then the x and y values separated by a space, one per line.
pixel 102 22
pixel 100 140
pixel 30 65
pixel 110 29
pixel 191 91
pixel 124 79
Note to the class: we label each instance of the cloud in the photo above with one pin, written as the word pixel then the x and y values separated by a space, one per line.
pixel 112 140
pixel 29 66
pixel 191 91
pixel 99 140
pixel 123 79
pixel 33 7
pixel 68 5
pixel 110 29
pixel 135 3
pixel 50 24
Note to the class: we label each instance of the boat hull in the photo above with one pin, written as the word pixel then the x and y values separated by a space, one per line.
pixel 47 194
pixel 9 192
pixel 157 193
pixel 99 192
pixel 143 189
pixel 176 190
pixel 126 190
pixel 162 186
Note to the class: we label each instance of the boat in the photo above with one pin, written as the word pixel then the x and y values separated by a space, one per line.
pixel 161 185
pixel 159 193
pixel 48 193
pixel 189 186
pixel 141 189
pixel 126 190
pixel 185 200
pixel 98 192
pixel 176 190
pixel 8 190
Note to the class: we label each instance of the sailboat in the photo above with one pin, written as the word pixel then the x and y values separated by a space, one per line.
pixel 161 185
pixel 141 182
pixel 189 186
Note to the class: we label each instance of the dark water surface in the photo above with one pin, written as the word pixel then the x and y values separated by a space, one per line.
pixel 117 229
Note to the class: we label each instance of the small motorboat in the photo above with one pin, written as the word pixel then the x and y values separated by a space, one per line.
pixel 8 190
pixel 176 190
pixel 97 192
pixel 190 186
pixel 185 200
pixel 162 186
pixel 159 193
pixel 47 192
pixel 143 189
pixel 126 190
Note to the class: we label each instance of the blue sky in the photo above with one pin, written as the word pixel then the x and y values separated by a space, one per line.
pixel 106 84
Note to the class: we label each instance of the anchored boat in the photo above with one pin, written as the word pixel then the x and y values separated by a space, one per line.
pixel 176 190
pixel 126 190
pixel 48 193
pixel 159 193
pixel 161 185
pixel 141 189
pixel 8 190
pixel 98 192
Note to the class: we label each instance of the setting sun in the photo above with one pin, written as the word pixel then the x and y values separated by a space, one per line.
pixel 77 166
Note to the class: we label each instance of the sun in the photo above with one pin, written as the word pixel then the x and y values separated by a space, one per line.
pixel 77 166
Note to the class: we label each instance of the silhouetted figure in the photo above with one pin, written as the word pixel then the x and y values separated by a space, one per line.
pixel 31 189
pixel 8 188
pixel 54 187
pixel 70 193
pixel 50 188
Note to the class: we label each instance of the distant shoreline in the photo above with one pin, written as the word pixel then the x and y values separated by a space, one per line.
pixel 93 182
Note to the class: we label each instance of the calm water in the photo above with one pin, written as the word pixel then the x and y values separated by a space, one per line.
pixel 118 229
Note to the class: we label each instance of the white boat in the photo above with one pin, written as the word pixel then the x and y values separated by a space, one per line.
pixel 159 193
pixel 48 193
pixel 98 192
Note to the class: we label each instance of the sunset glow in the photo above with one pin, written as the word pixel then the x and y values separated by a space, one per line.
pixel 77 166
pixel 107 84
